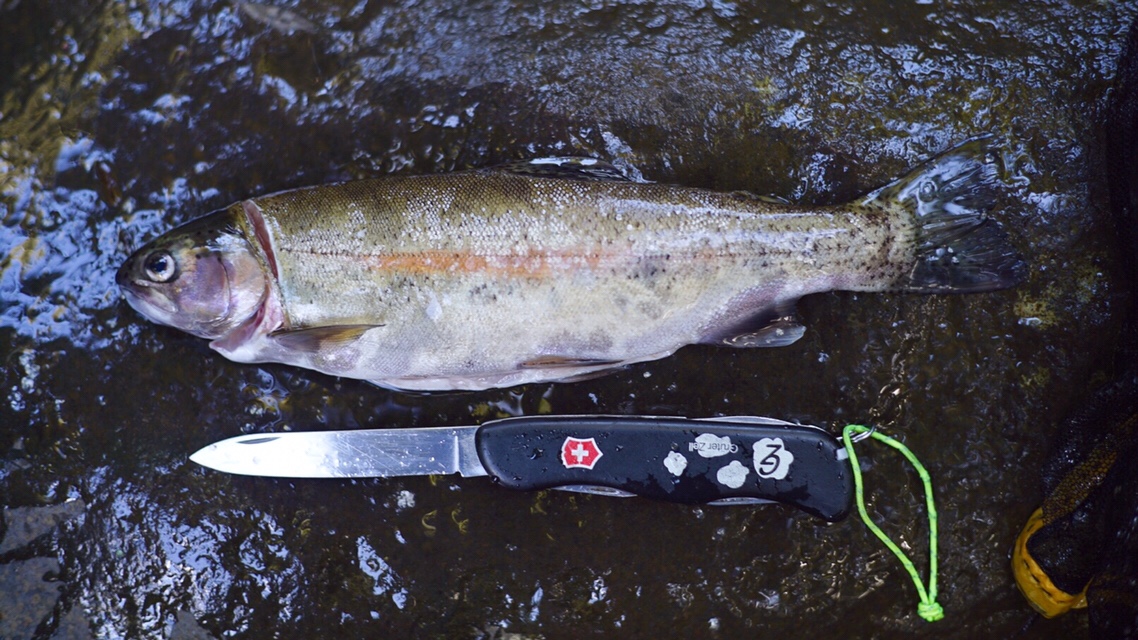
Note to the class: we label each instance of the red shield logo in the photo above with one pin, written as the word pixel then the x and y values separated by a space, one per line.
pixel 580 454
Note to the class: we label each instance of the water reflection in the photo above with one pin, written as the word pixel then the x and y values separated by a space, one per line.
pixel 140 562
pixel 386 582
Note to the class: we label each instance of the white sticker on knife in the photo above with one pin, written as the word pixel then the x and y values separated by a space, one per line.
pixel 676 463
pixel 772 460
pixel 733 475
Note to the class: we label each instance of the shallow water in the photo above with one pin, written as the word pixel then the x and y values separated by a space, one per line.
pixel 118 120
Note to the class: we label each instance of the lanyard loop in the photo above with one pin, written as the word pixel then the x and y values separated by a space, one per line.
pixel 928 607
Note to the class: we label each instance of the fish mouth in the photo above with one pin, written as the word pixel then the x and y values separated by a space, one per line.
pixel 123 276
pixel 148 302
pixel 140 295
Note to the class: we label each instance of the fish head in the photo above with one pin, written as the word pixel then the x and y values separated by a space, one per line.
pixel 203 277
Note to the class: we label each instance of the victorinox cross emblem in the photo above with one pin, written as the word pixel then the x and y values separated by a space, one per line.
pixel 579 453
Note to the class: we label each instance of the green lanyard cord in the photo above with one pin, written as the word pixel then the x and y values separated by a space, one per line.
pixel 928 608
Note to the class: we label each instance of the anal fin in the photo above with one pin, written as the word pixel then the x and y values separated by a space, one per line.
pixel 779 333
pixel 774 327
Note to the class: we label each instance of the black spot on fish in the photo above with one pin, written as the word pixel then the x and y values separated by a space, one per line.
pixel 649 268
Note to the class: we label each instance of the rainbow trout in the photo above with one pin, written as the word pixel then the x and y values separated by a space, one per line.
pixel 553 269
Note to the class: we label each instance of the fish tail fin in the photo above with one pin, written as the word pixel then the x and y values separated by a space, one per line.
pixel 959 248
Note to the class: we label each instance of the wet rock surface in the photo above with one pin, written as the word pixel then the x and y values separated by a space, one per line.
pixel 118 120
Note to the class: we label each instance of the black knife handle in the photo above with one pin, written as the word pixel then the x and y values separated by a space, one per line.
pixel 673 459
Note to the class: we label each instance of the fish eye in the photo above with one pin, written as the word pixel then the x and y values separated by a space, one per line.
pixel 160 267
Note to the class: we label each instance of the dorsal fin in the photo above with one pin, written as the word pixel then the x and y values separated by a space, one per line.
pixel 768 199
pixel 567 168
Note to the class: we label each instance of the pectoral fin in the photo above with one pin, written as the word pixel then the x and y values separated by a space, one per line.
pixel 317 339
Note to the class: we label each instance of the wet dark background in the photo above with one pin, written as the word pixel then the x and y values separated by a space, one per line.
pixel 120 119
